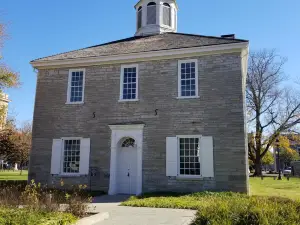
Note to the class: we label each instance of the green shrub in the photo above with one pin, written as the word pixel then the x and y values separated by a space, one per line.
pixel 19 183
pixel 38 198
pixel 226 208
pixel 77 201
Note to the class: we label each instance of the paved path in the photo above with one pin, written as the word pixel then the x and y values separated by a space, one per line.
pixel 120 215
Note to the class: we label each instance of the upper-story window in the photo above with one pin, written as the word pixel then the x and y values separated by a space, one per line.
pixel 151 13
pixel 140 17
pixel 76 86
pixel 187 79
pixel 167 14
pixel 129 83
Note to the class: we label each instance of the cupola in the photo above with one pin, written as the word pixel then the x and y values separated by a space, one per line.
pixel 156 17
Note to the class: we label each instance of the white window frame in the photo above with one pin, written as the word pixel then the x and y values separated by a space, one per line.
pixel 163 15
pixel 62 156
pixel 178 157
pixel 121 99
pixel 69 87
pixel 196 78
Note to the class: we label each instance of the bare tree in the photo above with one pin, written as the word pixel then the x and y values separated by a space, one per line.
pixel 272 109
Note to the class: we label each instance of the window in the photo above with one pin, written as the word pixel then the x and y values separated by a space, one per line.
pixel 71 156
pixel 190 156
pixel 167 14
pixel 140 17
pixel 175 19
pixel 76 86
pixel 129 83
pixel 189 153
pixel 129 142
pixel 187 79
pixel 151 13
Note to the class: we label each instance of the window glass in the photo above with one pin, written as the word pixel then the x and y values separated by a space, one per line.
pixel 140 16
pixel 188 79
pixel 71 160
pixel 189 156
pixel 129 142
pixel 76 86
pixel 130 83
pixel 151 13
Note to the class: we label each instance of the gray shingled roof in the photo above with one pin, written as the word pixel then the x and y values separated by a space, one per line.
pixel 138 44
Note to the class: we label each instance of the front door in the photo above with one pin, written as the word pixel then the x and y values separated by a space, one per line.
pixel 127 170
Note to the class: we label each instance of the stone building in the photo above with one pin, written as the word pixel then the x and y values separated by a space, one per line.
pixel 159 111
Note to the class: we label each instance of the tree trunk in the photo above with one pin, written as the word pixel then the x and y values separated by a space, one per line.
pixel 21 167
pixel 257 166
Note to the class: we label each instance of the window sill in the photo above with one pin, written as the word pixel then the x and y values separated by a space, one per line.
pixel 128 100
pixel 70 175
pixel 189 97
pixel 74 103
pixel 182 177
pixel 166 26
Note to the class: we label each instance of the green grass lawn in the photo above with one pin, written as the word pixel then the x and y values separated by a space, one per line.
pixel 270 187
pixel 12 216
pixel 225 208
pixel 13 175
pixel 271 202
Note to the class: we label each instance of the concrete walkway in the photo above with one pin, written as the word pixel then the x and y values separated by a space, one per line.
pixel 138 216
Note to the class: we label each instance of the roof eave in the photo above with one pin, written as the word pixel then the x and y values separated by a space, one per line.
pixel 133 57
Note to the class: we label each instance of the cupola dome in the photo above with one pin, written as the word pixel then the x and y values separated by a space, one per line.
pixel 156 17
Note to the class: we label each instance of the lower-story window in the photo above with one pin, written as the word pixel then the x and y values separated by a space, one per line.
pixel 71 156
pixel 189 156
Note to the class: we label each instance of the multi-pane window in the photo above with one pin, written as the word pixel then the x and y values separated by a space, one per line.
pixel 151 13
pixel 76 86
pixel 189 156
pixel 129 83
pixel 166 14
pixel 71 156
pixel 188 79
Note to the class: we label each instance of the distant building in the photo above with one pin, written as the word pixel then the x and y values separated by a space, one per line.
pixel 3 106
pixel 294 140
pixel 295 144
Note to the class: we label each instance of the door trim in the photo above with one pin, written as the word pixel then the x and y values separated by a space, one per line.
pixel 118 132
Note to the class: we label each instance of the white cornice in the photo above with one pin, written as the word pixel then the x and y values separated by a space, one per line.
pixel 142 56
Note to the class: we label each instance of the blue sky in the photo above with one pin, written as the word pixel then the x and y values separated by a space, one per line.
pixel 41 28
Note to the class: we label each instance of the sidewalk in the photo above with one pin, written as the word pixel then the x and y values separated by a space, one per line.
pixel 138 216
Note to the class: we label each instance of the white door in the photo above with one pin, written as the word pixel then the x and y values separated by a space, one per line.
pixel 127 170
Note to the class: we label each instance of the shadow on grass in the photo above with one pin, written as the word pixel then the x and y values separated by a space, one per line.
pixel 162 194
